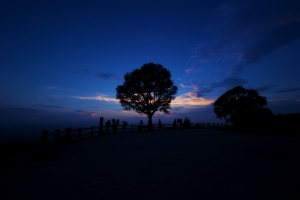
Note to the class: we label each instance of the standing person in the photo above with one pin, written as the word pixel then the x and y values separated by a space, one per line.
pixel 174 123
pixel 140 126
pixel 125 124
pixel 107 125
pixel 159 123
pixel 141 123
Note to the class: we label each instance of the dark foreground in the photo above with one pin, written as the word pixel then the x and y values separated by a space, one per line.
pixel 177 164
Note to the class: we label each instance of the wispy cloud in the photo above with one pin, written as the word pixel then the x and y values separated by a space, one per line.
pixel 29 110
pixel 249 32
pixel 288 90
pixel 200 90
pixel 187 100
pixel 91 114
pixel 107 76
pixel 184 100
pixel 189 70
pixel 46 106
pixel 278 38
pixel 229 83
pixel 192 86
pixel 98 98
pixel 197 90
pixel 264 88
pixel 101 75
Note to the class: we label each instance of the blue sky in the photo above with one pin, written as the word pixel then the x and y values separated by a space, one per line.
pixel 61 61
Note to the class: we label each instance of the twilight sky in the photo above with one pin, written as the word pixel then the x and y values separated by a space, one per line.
pixel 61 61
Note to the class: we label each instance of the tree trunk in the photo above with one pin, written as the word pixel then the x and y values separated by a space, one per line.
pixel 150 127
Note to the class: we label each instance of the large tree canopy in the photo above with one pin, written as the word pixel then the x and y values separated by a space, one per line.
pixel 147 90
pixel 240 106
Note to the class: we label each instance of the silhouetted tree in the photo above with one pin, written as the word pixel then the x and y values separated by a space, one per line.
pixel 240 106
pixel 147 90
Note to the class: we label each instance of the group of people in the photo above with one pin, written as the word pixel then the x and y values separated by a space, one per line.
pixel 159 123
pixel 115 123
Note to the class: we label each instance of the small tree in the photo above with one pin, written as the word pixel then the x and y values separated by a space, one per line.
pixel 147 90
pixel 240 106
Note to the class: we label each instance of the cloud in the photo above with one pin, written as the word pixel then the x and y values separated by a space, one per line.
pixel 189 70
pixel 278 38
pixel 29 110
pixel 105 76
pixel 229 83
pixel 189 85
pixel 288 90
pixel 90 114
pixel 187 100
pixel 198 90
pixel 178 108
pixel 264 88
pixel 99 98
pixel 184 100
pixel 275 27
pixel 287 100
pixel 45 106
pixel 249 31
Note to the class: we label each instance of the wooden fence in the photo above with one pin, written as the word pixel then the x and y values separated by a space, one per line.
pixel 60 137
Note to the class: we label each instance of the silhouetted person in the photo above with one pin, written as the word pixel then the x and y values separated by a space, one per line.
pixel 140 126
pixel 186 123
pixel 174 123
pixel 107 125
pixel 159 124
pixel 141 123
pixel 125 124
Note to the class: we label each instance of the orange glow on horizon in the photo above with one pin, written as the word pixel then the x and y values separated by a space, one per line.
pixel 190 100
pixel 184 100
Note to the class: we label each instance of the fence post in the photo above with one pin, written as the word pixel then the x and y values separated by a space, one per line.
pixel 100 130
pixel 43 143
pixel 57 133
pixel 92 131
pixel 79 133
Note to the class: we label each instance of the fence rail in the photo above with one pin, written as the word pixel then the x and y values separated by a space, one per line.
pixel 59 137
